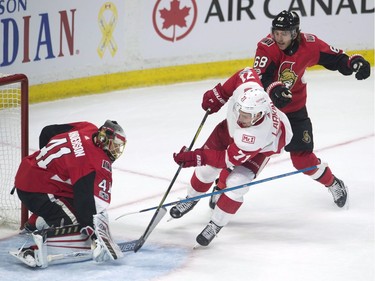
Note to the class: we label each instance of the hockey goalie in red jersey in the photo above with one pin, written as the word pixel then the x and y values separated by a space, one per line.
pixel 237 149
pixel 281 60
pixel 67 186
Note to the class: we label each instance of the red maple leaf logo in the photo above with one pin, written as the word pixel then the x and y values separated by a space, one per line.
pixel 175 16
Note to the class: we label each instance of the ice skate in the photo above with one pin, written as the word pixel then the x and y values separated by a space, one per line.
pixel 208 234
pixel 182 208
pixel 339 192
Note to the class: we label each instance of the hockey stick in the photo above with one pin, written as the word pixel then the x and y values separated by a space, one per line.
pixel 73 256
pixel 75 228
pixel 130 245
pixel 148 230
pixel 228 189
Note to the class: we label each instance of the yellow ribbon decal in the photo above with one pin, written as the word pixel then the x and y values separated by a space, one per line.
pixel 107 28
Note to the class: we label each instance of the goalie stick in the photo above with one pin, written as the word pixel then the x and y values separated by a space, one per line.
pixel 227 189
pixel 124 246
pixel 148 230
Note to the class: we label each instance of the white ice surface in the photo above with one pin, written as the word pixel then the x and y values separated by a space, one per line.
pixel 287 229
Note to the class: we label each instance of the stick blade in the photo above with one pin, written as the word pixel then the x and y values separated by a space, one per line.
pixel 159 214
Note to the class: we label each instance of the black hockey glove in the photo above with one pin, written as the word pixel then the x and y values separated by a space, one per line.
pixel 360 66
pixel 280 95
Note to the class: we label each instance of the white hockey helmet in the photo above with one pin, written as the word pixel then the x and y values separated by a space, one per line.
pixel 254 101
pixel 111 138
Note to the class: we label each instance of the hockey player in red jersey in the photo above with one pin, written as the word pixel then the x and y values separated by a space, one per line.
pixel 242 143
pixel 281 60
pixel 68 183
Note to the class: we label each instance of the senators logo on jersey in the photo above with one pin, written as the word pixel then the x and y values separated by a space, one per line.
pixel 306 137
pixel 287 75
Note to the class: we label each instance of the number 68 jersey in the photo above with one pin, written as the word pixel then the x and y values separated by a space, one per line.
pixel 68 163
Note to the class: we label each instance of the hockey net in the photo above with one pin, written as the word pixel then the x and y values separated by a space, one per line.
pixel 13 145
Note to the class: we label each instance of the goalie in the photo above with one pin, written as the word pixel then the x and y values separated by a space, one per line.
pixel 67 186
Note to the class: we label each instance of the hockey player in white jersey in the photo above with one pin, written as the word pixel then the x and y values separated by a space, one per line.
pixel 237 149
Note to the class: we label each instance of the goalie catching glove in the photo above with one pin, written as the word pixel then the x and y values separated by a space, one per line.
pixel 360 66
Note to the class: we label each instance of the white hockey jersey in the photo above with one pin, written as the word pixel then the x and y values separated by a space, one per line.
pixel 267 136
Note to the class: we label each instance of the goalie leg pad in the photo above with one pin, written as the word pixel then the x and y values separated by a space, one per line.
pixel 41 252
pixel 54 246
pixel 105 247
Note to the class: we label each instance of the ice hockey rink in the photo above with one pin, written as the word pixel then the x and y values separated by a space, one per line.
pixel 287 229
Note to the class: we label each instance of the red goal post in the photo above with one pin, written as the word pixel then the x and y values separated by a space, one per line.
pixel 14 144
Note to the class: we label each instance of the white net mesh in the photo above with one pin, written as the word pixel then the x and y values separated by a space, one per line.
pixel 10 152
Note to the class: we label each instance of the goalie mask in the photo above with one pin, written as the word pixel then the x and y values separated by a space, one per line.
pixel 251 106
pixel 111 138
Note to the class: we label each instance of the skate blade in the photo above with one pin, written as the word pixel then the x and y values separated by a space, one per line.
pixel 346 206
pixel 197 246
pixel 170 219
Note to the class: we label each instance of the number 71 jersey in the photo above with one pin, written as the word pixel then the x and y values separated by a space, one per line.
pixel 67 158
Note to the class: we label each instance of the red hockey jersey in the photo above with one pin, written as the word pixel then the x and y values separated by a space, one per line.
pixel 273 64
pixel 67 158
